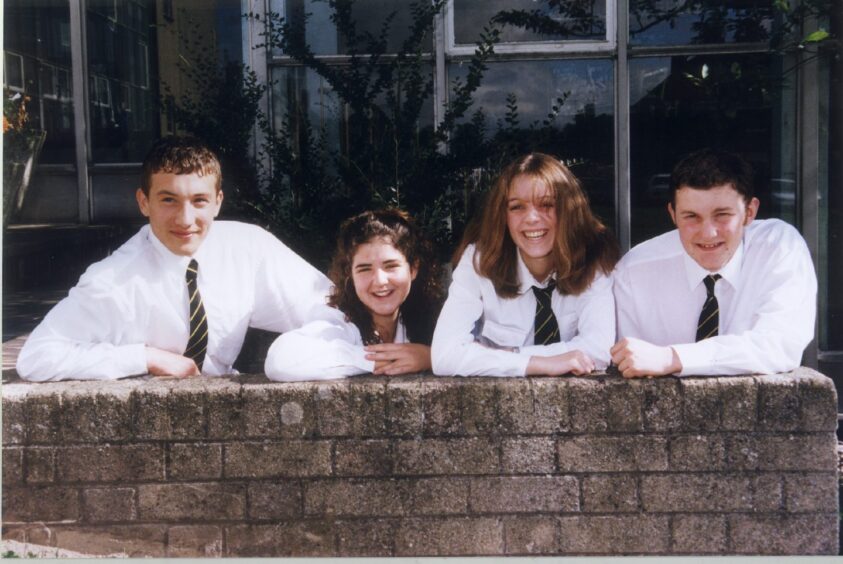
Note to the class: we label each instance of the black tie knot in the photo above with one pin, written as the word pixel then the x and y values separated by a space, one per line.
pixel 709 282
pixel 192 271
pixel 543 294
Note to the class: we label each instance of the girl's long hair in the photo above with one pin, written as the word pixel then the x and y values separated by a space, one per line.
pixel 421 308
pixel 582 247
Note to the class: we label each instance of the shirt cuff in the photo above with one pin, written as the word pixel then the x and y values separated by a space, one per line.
pixel 131 359
pixel 696 359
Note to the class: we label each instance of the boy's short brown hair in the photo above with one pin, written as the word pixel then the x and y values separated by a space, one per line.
pixel 180 155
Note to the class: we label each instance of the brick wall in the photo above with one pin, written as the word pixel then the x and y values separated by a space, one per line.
pixel 423 466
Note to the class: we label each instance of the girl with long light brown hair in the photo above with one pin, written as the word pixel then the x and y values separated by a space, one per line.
pixel 532 289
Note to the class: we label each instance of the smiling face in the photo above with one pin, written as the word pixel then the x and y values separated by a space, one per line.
pixel 711 222
pixel 181 209
pixel 531 220
pixel 382 279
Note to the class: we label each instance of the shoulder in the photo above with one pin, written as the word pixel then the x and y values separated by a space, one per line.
pixel 235 232
pixel 652 251
pixel 133 256
pixel 767 235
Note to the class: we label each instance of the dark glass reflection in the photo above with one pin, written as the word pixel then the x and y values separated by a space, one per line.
pixel 546 20
pixel 513 104
pixel 36 48
pixel 680 22
pixel 370 17
pixel 680 104
pixel 122 79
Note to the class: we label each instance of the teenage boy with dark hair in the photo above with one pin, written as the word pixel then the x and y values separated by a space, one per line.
pixel 722 294
pixel 177 298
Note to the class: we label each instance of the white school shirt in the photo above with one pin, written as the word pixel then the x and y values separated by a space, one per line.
pixel 138 297
pixel 323 349
pixel 767 301
pixel 475 314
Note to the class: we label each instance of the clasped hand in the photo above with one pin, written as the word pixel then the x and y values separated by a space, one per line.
pixel 398 358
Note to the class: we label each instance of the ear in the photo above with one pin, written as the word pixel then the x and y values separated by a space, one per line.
pixel 414 270
pixel 672 212
pixel 143 202
pixel 751 210
pixel 219 202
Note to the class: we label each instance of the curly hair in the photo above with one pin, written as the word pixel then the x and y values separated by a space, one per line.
pixel 180 155
pixel 582 246
pixel 421 308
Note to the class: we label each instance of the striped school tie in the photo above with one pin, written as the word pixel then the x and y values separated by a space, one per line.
pixel 710 315
pixel 546 328
pixel 197 343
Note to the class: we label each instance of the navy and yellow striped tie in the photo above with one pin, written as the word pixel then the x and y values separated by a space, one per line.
pixel 546 328
pixel 197 343
pixel 709 323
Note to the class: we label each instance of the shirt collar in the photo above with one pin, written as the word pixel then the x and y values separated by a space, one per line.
pixel 731 272
pixel 174 261
pixel 526 279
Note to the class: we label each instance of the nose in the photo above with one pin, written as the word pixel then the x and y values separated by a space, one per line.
pixel 380 276
pixel 532 213
pixel 185 216
pixel 709 229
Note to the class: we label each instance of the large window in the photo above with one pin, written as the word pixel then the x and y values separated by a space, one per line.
pixel 37 57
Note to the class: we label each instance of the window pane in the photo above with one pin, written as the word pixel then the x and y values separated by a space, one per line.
pixel 303 100
pixel 581 133
pixel 38 66
pixel 572 19
pixel 679 22
pixel 120 37
pixel 730 102
pixel 374 17
pixel 831 212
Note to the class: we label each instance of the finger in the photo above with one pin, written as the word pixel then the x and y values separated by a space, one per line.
pixel 384 347
pixel 382 357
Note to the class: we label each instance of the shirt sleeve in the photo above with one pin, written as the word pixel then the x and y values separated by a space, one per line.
pixel 321 350
pixel 627 320
pixel 595 325
pixel 76 340
pixel 781 328
pixel 289 292
pixel 454 351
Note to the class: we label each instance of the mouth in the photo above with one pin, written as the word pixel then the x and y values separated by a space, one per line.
pixel 709 246
pixel 182 234
pixel 534 235
pixel 383 293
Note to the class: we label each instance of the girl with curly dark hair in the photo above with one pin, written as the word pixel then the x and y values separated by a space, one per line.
pixel 387 294
pixel 532 288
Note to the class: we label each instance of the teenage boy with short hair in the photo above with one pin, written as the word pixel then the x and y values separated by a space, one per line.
pixel 722 294
pixel 177 298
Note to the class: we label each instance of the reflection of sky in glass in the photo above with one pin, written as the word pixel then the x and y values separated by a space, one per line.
pixel 683 28
pixel 369 17
pixel 650 73
pixel 537 85
pixel 471 16
pixel 228 30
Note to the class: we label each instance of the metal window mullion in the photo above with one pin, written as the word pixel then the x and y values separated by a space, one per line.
pixel 82 133
pixel 808 165
pixel 257 61
pixel 623 208
pixel 440 77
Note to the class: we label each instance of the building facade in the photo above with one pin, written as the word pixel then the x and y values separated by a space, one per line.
pixel 631 86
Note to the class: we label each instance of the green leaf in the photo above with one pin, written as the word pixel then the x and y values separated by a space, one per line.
pixel 817 36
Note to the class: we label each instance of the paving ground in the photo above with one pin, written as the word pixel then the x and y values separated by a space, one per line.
pixel 22 311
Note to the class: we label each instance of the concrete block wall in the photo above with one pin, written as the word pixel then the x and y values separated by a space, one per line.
pixel 423 466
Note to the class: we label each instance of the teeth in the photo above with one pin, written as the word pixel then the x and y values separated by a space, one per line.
pixel 534 234
pixel 382 293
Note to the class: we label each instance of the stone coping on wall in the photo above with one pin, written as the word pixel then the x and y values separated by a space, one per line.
pixel 423 466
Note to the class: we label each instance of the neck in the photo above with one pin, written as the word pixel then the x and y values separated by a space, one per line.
pixel 385 326
pixel 540 268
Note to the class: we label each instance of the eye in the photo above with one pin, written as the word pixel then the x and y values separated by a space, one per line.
pixel 516 207
pixel 547 204
pixel 362 268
